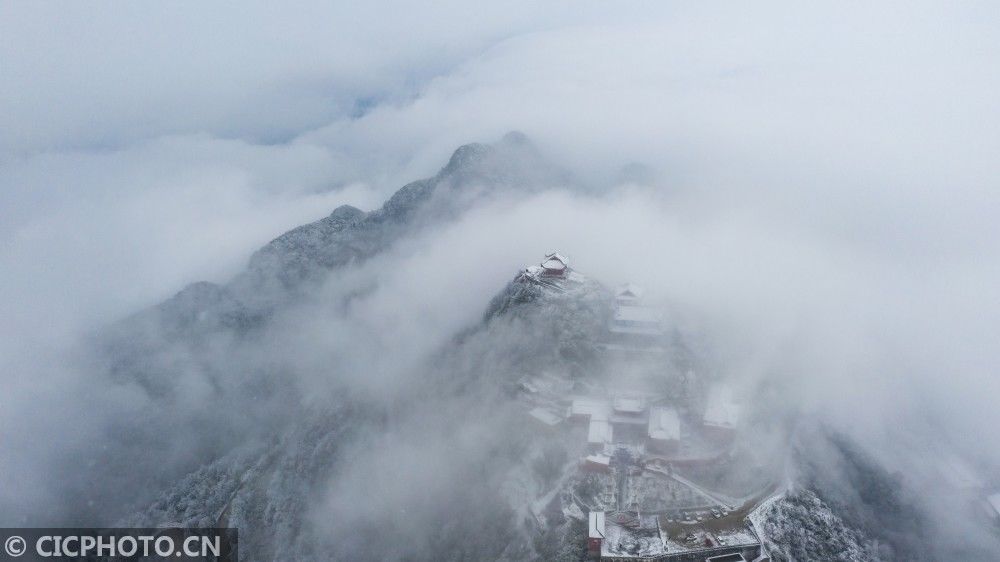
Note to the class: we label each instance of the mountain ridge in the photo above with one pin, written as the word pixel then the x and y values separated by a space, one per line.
pixel 298 474
pixel 289 264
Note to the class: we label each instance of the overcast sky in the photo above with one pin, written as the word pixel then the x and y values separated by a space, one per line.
pixel 145 146
pixel 827 179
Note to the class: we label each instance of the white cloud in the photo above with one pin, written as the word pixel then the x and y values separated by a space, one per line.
pixel 827 173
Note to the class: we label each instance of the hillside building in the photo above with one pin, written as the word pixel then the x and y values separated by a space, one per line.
pixel 634 329
pixel 635 320
pixel 664 430
pixel 595 533
pixel 554 265
pixel 597 463
pixel 546 417
pixel 628 294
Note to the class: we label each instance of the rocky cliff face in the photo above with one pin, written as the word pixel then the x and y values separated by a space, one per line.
pixel 301 257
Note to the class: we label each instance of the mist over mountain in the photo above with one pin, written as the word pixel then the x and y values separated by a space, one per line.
pixel 246 412
pixel 226 340
pixel 730 293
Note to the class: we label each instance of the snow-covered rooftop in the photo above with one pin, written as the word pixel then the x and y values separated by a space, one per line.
pixel 601 459
pixel 629 404
pixel 545 416
pixel 599 432
pixel 596 525
pixel 553 265
pixel 592 407
pixel 664 423
pixel 555 262
pixel 721 410
pixel 628 291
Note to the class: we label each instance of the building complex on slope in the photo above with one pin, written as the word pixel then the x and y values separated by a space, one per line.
pixel 639 437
